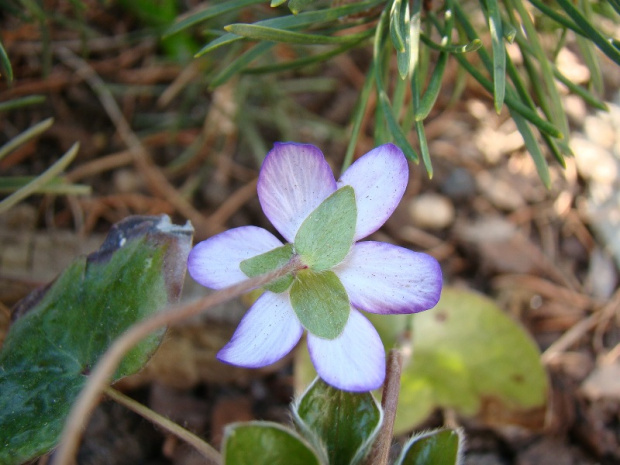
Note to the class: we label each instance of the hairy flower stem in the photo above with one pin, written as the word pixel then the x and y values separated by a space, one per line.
pixel 380 451
pixel 104 370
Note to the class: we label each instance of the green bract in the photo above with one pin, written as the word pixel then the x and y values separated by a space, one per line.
pixel 270 261
pixel 320 302
pixel 326 236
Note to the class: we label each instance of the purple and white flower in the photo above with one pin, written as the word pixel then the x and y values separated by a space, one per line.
pixel 294 181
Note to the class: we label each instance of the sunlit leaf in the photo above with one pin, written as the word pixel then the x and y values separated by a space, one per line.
pixel 471 357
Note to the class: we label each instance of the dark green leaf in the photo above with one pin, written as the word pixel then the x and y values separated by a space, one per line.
pixel 342 424
pixel 310 60
pixel 404 58
pixel 5 64
pixel 41 180
pixel 270 261
pixel 533 148
pixel 465 48
pixel 64 328
pixel 320 302
pixel 426 156
pixel 256 32
pixel 591 30
pixel 426 103
pixel 297 5
pixel 499 53
pixel 208 13
pixel 438 447
pixel 265 443
pixel 358 116
pixel 21 102
pixel 240 63
pixel 397 26
pixel 326 235
pixel 309 18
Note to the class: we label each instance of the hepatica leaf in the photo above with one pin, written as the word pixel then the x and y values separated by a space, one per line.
pixel 59 333
pixel 470 356
pixel 326 235
pixel 265 443
pixel 270 261
pixel 342 424
pixel 320 302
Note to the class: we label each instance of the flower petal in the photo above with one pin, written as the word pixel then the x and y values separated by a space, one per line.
pixel 214 263
pixel 293 181
pixel 267 332
pixel 384 278
pixel 355 360
pixel 379 179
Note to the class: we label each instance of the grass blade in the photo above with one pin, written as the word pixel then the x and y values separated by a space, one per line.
pixel 358 117
pixel 5 64
pixel 384 101
pixel 602 42
pixel 25 136
pixel 550 92
pixel 21 102
pixel 309 18
pixel 40 180
pixel 397 27
pixel 239 63
pixel 533 148
pixel 264 33
pixel 499 53
pixel 204 14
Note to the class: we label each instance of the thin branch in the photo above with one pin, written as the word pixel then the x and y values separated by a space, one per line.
pixel 213 457
pixel 108 363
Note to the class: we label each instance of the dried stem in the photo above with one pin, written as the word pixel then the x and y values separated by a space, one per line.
pixel 381 448
pixel 108 363
pixel 213 457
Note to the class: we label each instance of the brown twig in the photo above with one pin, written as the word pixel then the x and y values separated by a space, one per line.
pixel 106 366
pixel 155 179
pixel 380 451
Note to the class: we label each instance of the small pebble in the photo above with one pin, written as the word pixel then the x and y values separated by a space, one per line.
pixel 459 185
pixel 432 211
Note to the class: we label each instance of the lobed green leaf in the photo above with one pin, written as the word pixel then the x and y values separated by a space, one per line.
pixel 60 332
